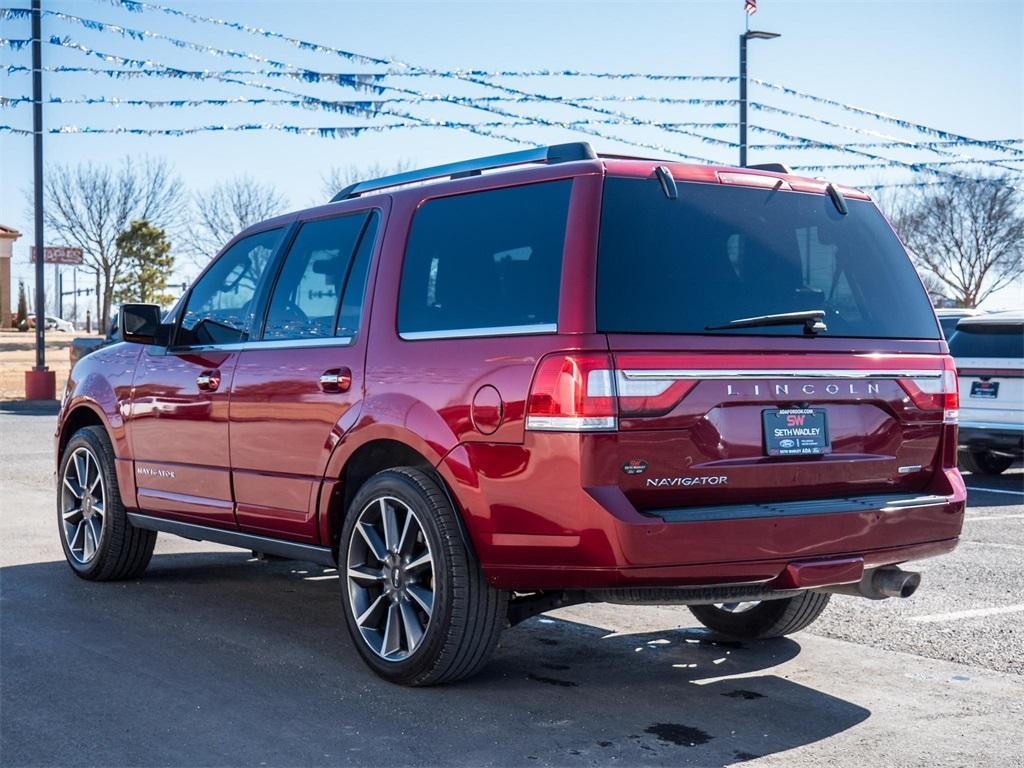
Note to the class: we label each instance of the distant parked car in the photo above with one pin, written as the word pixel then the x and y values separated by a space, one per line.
pixel 989 355
pixel 59 324
pixel 53 323
pixel 948 318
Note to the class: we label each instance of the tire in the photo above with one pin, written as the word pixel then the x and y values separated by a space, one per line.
pixel 768 618
pixel 984 462
pixel 113 548
pixel 460 632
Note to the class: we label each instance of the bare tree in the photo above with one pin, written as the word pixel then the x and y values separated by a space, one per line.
pixel 89 205
pixel 339 177
pixel 968 236
pixel 227 208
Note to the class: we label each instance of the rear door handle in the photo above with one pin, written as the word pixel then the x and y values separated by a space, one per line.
pixel 208 380
pixel 336 380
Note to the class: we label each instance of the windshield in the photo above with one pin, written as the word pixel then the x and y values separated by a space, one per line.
pixel 722 253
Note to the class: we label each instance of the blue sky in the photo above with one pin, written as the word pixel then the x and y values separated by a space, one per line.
pixel 956 66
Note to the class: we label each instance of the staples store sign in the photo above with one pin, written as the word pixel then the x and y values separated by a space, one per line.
pixel 59 255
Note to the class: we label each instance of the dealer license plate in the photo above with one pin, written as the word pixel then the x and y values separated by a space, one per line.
pixel 796 432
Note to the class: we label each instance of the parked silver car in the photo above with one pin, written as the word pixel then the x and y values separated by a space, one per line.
pixel 989 354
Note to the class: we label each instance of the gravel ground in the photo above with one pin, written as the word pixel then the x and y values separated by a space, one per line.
pixel 18 354
pixel 217 659
pixel 985 571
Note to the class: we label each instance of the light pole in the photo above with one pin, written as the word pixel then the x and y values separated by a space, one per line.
pixel 750 34
pixel 40 382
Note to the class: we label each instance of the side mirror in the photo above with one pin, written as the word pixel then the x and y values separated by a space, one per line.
pixel 140 324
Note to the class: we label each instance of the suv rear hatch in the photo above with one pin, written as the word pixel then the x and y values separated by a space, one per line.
pixel 844 399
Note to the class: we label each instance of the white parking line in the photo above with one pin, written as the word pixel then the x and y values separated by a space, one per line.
pixel 993 544
pixel 996 490
pixel 971 614
pixel 971 518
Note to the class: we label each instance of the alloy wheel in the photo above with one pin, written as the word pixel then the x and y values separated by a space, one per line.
pixel 742 607
pixel 83 502
pixel 390 578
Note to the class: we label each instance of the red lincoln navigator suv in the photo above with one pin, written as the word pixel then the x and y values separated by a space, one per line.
pixel 546 378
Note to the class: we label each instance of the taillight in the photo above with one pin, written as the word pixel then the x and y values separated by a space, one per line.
pixel 641 393
pixel 573 392
pixel 938 393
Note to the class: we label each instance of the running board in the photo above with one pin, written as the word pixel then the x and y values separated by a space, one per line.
pixel 883 502
pixel 286 549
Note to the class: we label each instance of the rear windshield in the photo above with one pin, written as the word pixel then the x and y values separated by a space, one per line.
pixel 948 325
pixel 988 341
pixel 721 253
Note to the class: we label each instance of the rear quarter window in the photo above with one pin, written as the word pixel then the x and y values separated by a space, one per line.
pixel 720 253
pixel 485 262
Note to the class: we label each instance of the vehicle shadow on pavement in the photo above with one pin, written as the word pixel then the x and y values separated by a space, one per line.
pixel 995 490
pixel 213 658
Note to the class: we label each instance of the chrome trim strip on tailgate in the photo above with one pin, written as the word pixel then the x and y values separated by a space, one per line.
pixel 884 502
pixel 775 373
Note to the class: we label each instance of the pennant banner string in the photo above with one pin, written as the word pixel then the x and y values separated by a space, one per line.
pixel 885 161
pixel 359 107
pixel 363 79
pixel 363 107
pixel 359 81
pixel 877 134
pixel 138 34
pixel 886 145
pixel 137 6
pixel 932 164
pixel 371 81
pixel 325 131
pixel 887 118
pixel 311 76
pixel 14 101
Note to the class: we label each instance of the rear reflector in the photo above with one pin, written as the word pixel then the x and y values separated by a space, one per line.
pixel 936 394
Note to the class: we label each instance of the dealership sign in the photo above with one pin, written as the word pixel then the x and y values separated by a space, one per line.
pixel 59 255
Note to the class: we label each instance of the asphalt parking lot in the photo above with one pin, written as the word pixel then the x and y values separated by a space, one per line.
pixel 217 659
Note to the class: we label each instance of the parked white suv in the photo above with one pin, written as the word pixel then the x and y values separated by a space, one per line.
pixel 950 316
pixel 989 354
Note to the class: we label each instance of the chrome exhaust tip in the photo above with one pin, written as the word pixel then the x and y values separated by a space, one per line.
pixel 895 582
pixel 880 583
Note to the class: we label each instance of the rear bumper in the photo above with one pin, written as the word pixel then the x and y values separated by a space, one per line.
pixel 766 575
pixel 534 527
pixel 992 436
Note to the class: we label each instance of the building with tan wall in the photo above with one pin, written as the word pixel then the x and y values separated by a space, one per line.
pixel 7 237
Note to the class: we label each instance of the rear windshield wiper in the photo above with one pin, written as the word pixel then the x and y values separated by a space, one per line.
pixel 813 321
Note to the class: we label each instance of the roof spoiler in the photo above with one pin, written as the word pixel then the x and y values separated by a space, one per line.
pixel 556 153
pixel 773 167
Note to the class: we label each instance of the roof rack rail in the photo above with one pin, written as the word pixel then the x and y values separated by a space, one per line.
pixel 556 153
pixel 774 167
pixel 610 156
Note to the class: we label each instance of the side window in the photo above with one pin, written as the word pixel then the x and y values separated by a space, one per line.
pixel 306 297
pixel 355 286
pixel 220 306
pixel 484 261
